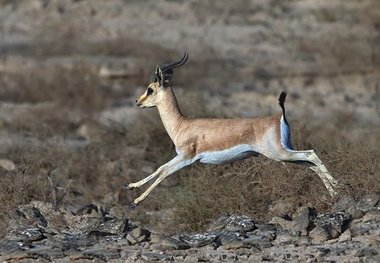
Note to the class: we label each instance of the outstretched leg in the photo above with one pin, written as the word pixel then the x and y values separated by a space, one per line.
pixel 316 165
pixel 165 170
pixel 153 175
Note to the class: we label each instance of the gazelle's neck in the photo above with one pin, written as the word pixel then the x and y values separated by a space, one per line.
pixel 170 113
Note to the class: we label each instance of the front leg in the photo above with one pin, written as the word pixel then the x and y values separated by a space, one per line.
pixel 167 169
pixel 143 181
pixel 153 175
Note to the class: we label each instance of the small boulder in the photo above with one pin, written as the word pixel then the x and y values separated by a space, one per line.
pixel 259 242
pixel 345 236
pixel 234 244
pixel 329 226
pixel 169 244
pixel 138 235
pixel 233 223
pixel 7 165
pixel 303 221
pixel 152 256
pixel 285 238
pixel 283 223
pixel 198 240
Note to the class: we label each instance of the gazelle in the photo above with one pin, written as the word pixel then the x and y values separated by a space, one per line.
pixel 217 141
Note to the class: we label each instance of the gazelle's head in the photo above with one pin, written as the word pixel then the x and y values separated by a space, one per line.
pixel 159 81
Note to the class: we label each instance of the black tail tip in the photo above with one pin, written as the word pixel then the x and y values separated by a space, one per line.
pixel 281 100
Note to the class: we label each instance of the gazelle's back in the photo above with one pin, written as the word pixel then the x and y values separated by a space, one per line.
pixel 218 134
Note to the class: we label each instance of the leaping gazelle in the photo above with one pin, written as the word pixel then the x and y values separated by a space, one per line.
pixel 219 141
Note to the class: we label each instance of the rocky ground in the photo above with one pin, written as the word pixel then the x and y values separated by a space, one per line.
pixel 71 136
pixel 349 233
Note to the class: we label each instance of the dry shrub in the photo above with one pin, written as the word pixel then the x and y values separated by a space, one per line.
pixel 76 87
pixel 254 186
pixel 20 187
pixel 197 194
pixel 81 174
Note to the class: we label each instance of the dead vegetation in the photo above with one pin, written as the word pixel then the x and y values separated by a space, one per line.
pixel 264 188
pixel 91 170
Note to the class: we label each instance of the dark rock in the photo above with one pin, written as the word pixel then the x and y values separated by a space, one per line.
pixel 226 237
pixel 367 225
pixel 339 221
pixel 329 226
pixel 111 227
pixel 39 217
pixel 198 240
pixel 28 216
pixel 283 223
pixel 67 241
pixel 233 223
pixel 285 238
pixel 21 257
pixel 10 246
pixel 265 231
pixel 368 202
pixel 151 256
pixel 365 252
pixel 140 233
pixel 87 209
pixel 170 244
pixel 357 207
pixel 303 221
pixel 156 238
pixel 259 242
pixel 27 234
pixel 102 254
pixel 46 252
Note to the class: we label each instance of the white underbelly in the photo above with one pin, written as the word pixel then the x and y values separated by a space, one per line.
pixel 225 156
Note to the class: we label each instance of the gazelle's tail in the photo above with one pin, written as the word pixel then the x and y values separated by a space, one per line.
pixel 284 125
pixel 281 101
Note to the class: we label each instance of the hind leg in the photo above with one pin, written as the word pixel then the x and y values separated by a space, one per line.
pixel 317 166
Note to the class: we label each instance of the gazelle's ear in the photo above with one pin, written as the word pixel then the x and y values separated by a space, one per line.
pixel 158 72
pixel 164 77
pixel 156 75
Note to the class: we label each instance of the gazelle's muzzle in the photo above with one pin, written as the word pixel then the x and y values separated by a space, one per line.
pixel 140 101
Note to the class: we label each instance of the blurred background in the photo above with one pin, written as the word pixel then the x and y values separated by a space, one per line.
pixel 70 71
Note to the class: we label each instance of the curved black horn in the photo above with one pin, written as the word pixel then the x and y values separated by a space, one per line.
pixel 176 64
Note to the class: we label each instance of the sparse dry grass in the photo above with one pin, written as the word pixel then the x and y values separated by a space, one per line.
pixel 76 87
pixel 255 186
pixel 119 154
pixel 89 173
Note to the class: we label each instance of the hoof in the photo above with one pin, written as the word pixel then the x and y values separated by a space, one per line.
pixel 132 205
pixel 127 187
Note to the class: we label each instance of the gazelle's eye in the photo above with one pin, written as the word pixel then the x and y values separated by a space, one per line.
pixel 149 91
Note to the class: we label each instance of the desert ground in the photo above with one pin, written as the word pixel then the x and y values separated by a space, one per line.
pixel 71 135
